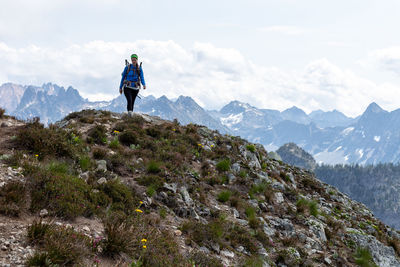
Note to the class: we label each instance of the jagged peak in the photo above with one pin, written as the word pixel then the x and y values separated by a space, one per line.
pixel 374 108
pixel 294 110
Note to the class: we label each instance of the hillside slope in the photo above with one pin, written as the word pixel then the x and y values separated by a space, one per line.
pixel 118 191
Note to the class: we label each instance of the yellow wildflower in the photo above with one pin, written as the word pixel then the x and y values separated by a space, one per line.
pixel 144 246
pixel 138 210
pixel 116 131
pixel 212 145
pixel 144 240
pixel 174 130
pixel 141 202
pixel 36 155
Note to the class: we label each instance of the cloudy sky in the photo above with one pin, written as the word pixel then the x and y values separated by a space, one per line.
pixel 313 54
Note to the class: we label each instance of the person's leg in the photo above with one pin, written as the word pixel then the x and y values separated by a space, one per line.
pixel 129 99
pixel 134 95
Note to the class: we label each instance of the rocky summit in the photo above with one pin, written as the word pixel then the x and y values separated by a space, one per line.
pixel 104 189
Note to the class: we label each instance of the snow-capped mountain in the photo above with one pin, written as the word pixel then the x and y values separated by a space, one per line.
pixel 330 137
pixel 51 103
pixel 10 96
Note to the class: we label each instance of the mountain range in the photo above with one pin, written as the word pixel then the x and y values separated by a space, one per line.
pixel 331 137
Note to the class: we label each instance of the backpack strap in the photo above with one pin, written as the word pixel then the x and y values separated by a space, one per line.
pixel 138 70
pixel 126 75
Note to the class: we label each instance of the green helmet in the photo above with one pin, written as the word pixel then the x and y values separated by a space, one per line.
pixel 134 56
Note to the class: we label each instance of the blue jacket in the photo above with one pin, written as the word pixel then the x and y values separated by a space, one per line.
pixel 132 76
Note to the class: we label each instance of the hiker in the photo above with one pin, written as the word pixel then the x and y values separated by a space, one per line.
pixel 132 77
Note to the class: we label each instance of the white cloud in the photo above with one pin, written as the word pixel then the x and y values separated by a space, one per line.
pixel 212 76
pixel 387 59
pixel 282 29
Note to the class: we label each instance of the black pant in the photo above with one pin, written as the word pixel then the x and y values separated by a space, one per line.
pixel 130 95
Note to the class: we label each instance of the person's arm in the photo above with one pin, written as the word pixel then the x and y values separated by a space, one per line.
pixel 142 78
pixel 123 78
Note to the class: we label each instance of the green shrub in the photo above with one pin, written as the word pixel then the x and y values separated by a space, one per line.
pixel 97 135
pixel 40 259
pixel 163 213
pixel 12 198
pixel 364 258
pixel 85 163
pixel 153 167
pixel 243 174
pixel 310 206
pixel 121 196
pixel 313 206
pixel 251 148
pixel 37 231
pixel 259 188
pixel 52 141
pixel 114 144
pixel 224 165
pixel 250 211
pixel 128 138
pixel 224 196
pixel 151 189
pixel 58 167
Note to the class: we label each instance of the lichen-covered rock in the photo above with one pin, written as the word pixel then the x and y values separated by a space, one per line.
pixel 383 256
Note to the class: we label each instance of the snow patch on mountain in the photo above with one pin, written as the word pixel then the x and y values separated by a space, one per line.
pixel 347 131
pixel 331 157
pixel 232 119
pixel 360 152
pixel 377 138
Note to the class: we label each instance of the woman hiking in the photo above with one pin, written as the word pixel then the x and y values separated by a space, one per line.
pixel 132 77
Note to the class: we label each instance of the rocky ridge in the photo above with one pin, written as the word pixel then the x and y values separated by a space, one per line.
pixel 221 199
pixel 294 155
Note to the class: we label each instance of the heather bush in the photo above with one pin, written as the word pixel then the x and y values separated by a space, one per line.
pixel 41 141
pixel 128 137
pixel 62 194
pixel 59 246
pixel 121 197
pixel 138 238
pixel 12 198
pixel 97 135
pixel 99 153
